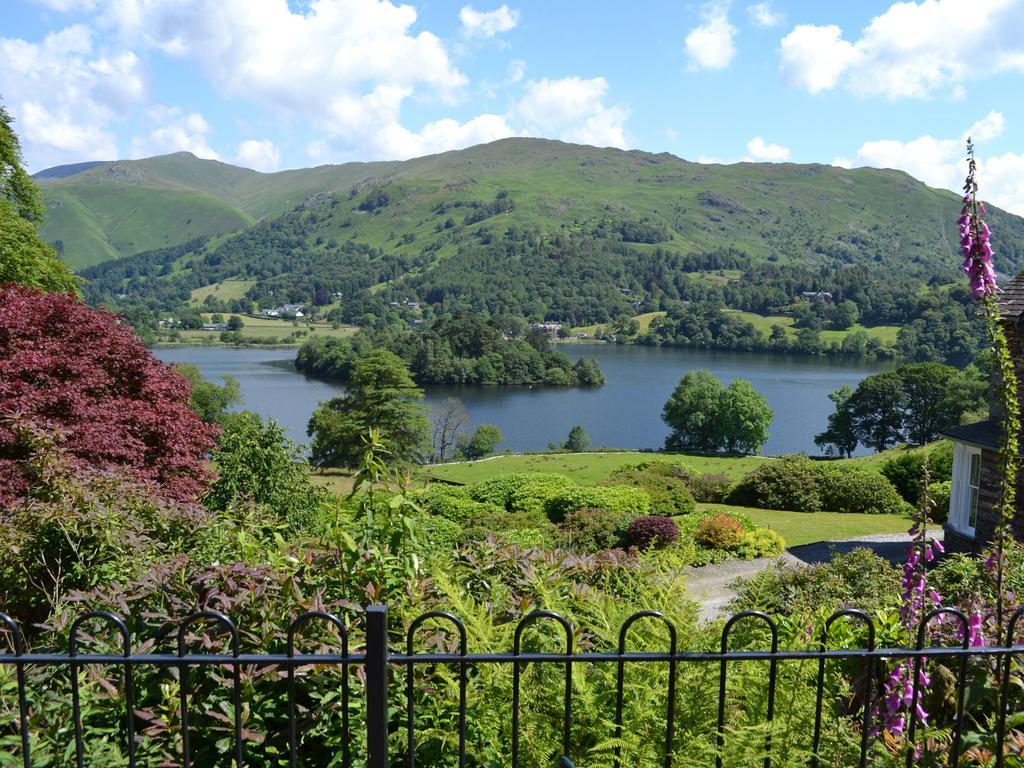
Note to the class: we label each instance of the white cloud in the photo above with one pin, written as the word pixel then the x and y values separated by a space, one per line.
pixel 761 151
pixel 486 24
pixel 814 58
pixel 516 70
pixel 572 109
pixel 763 15
pixel 259 154
pixel 175 132
pixel 939 162
pixel 671 134
pixel 912 50
pixel 990 126
pixel 710 45
pixel 842 162
pixel 66 6
pixel 65 94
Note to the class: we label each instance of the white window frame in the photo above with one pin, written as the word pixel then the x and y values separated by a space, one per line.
pixel 963 501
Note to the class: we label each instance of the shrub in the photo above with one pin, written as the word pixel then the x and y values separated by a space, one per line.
pixel 666 484
pixel 651 531
pixel 859 579
pixel 531 495
pixel 438 534
pixel 500 490
pixel 852 489
pixel 454 503
pixel 593 529
pixel 631 502
pixel 710 488
pixel 763 542
pixel 257 463
pixel 720 531
pixel 83 375
pixel 906 471
pixel 796 483
pixel 790 483
pixel 503 524
pixel 940 497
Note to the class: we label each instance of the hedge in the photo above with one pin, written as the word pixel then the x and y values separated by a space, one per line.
pixel 622 499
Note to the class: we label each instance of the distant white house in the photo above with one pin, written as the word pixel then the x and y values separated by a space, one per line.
pixel 215 326
pixel 551 328
pixel 296 310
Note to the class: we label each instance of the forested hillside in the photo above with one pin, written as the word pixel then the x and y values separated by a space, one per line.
pixel 533 228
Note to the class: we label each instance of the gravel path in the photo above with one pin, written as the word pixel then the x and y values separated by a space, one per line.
pixel 709 585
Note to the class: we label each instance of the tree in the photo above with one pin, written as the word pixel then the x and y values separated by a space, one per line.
pixel 483 442
pixel 838 437
pixel 24 258
pixel 745 418
pixel 692 413
pixel 381 394
pixel 212 402
pixel 257 463
pixel 235 323
pixel 935 397
pixel 81 376
pixel 578 440
pixel 446 424
pixel 876 410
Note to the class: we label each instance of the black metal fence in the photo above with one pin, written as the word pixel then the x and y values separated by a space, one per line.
pixel 378 661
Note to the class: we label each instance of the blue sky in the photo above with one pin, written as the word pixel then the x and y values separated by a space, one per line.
pixel 273 84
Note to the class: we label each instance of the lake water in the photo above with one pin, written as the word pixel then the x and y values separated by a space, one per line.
pixel 624 413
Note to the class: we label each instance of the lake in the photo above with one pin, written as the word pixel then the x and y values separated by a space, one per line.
pixel 624 413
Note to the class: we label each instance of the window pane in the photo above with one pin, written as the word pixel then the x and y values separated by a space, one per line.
pixel 972 521
pixel 975 469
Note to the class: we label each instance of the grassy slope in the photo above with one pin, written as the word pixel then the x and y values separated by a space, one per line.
pixel 586 468
pixel 786 209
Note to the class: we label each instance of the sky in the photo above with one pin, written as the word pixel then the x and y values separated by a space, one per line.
pixel 278 84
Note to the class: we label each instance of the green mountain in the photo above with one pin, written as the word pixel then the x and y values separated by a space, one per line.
pixel 521 226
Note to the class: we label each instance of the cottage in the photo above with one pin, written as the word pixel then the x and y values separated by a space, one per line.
pixel 551 328
pixel 215 326
pixel 974 495
pixel 813 296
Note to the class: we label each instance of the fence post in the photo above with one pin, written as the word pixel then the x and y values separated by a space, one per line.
pixel 377 686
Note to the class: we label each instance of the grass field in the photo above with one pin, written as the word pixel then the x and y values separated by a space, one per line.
pixel 884 333
pixel 271 328
pixel 586 468
pixel 799 528
pixel 224 291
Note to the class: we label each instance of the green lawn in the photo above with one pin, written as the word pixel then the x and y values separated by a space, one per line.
pixel 808 527
pixel 586 468
pixel 270 328
pixel 223 291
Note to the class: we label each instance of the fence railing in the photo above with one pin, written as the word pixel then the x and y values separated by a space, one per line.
pixel 378 661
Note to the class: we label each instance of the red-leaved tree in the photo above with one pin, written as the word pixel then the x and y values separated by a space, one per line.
pixel 82 376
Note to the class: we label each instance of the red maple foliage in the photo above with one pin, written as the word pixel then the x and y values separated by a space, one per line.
pixel 84 378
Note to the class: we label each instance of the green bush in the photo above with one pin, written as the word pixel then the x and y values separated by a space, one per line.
pixel 720 531
pixel 906 471
pixel 453 503
pixel 502 524
pixel 791 483
pixel 763 542
pixel 633 502
pixel 666 484
pixel 798 484
pixel 593 529
pixel 859 579
pixel 852 489
pixel 438 534
pixel 940 497
pixel 518 488
pixel 711 487
pixel 531 495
